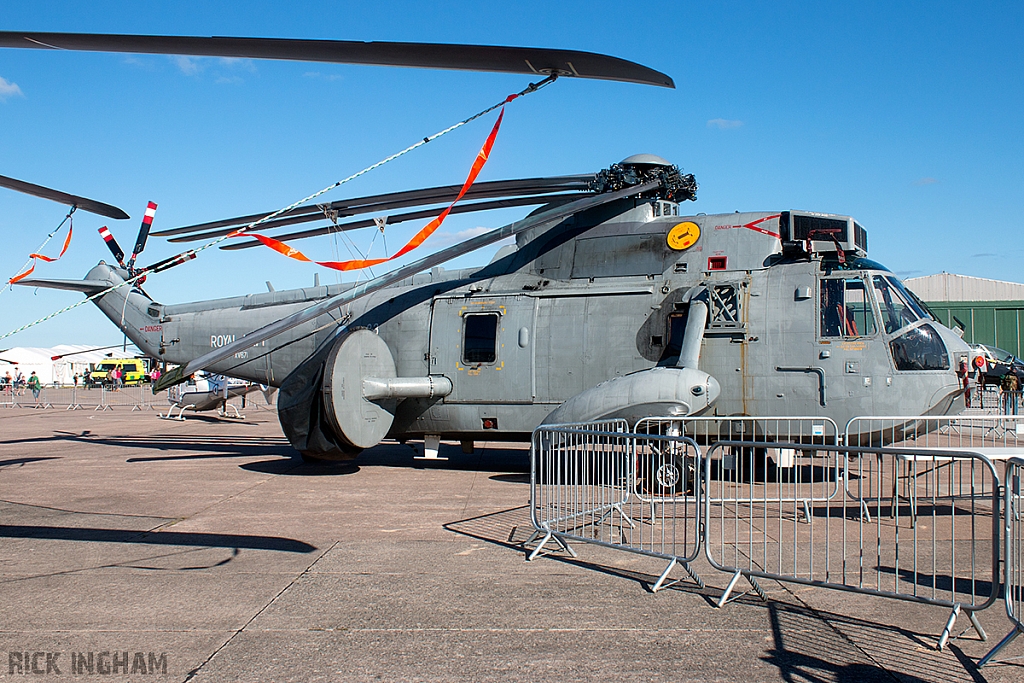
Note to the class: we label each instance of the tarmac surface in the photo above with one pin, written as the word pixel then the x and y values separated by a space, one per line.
pixel 208 549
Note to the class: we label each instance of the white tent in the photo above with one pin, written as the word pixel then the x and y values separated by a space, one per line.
pixel 73 358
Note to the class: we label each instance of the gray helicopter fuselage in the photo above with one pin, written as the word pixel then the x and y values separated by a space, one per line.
pixel 597 297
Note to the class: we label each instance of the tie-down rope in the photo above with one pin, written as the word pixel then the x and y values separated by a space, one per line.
pixel 192 253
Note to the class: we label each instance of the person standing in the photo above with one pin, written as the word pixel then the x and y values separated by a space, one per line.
pixel 1008 397
pixel 964 371
pixel 34 385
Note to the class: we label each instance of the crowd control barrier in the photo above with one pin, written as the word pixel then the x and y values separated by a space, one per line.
pixel 1013 554
pixel 822 431
pixel 952 561
pixel 919 524
pixel 136 398
pixel 599 484
pixel 945 431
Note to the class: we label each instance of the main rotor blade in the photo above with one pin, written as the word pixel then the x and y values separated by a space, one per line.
pixel 112 244
pixel 299 317
pixel 520 60
pixel 396 200
pixel 90 205
pixel 556 199
pixel 147 224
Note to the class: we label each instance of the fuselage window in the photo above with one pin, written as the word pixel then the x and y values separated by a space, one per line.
pixel 846 309
pixel 480 338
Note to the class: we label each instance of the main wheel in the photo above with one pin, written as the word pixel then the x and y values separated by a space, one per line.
pixel 662 473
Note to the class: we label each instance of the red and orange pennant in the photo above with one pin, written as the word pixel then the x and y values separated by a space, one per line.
pixel 22 276
pixel 418 239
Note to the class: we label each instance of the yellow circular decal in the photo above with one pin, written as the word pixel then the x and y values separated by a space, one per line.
pixel 683 236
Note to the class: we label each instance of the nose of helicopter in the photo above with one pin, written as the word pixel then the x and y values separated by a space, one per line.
pixel 944 399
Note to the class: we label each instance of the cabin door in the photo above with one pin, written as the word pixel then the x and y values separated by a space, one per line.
pixel 484 345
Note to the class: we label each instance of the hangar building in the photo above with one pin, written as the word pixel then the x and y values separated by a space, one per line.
pixel 990 312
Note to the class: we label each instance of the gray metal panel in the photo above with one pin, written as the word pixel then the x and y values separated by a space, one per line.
pixel 508 379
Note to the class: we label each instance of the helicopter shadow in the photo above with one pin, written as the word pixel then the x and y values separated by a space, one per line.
pixel 507 464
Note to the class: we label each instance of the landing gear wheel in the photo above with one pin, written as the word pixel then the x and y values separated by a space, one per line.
pixel 664 474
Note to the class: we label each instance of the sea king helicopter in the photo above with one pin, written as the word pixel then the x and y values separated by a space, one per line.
pixel 613 302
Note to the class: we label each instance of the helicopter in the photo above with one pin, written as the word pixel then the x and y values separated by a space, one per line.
pixel 612 303
pixel 207 391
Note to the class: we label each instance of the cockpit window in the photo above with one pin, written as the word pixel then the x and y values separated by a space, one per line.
pixel 897 311
pixel 846 309
pixel 919 349
pixel 915 303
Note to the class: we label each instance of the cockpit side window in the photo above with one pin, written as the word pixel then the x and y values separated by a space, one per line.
pixel 846 309
pixel 897 311
pixel 480 338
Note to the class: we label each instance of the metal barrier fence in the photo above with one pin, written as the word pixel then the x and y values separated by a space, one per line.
pixel 992 400
pixel 781 463
pixel 917 524
pixel 137 397
pixel 1013 554
pixel 101 398
pixel 952 561
pixel 599 484
pixel 988 432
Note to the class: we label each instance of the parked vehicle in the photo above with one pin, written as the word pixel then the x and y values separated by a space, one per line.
pixel 134 371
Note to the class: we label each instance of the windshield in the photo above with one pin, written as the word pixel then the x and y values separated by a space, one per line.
pixel 919 349
pixel 897 311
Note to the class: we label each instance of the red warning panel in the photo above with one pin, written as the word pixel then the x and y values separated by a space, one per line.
pixel 717 262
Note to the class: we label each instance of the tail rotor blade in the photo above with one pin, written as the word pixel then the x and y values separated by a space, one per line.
pixel 112 244
pixel 147 223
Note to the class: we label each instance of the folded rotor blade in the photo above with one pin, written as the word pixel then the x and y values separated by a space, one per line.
pixel 396 200
pixel 90 205
pixel 228 350
pixel 112 244
pixel 556 199
pixel 147 224
pixel 522 60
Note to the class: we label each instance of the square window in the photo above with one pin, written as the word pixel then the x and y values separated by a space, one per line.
pixel 480 339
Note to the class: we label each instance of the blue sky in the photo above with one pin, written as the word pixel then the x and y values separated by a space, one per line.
pixel 905 115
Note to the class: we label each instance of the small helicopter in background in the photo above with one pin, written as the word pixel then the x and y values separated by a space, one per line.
pixel 207 391
pixel 612 303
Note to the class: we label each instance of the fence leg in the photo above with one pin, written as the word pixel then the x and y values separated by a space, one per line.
pixel 540 546
pixel 1010 637
pixel 973 616
pixel 944 638
pixel 757 588
pixel 728 589
pixel 659 584
pixel 616 508
pixel 693 575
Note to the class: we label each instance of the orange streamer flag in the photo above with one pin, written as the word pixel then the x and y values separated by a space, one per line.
pixel 22 276
pixel 418 239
